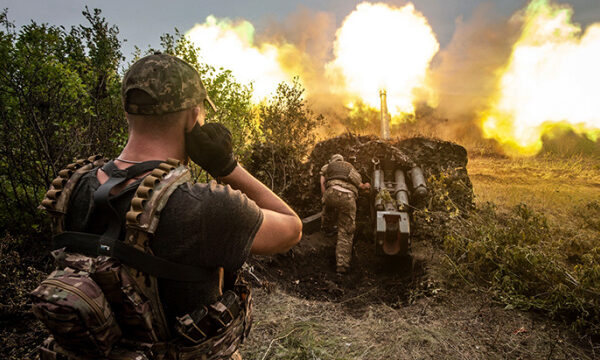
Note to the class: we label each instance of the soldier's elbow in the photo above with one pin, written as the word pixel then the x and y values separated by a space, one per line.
pixel 294 233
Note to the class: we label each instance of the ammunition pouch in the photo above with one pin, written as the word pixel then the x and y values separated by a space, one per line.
pixel 217 318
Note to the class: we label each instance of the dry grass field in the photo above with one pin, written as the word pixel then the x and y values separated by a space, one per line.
pixel 555 186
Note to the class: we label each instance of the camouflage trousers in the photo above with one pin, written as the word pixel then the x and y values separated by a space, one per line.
pixel 339 210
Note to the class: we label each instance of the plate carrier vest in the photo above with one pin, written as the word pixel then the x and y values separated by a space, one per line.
pixel 102 302
pixel 340 170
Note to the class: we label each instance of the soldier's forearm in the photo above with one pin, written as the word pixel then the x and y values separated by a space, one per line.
pixel 241 179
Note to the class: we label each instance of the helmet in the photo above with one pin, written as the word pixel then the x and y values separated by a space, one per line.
pixel 336 157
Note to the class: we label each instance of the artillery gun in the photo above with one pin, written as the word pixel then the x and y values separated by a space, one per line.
pixel 391 199
pixel 396 169
pixel 392 203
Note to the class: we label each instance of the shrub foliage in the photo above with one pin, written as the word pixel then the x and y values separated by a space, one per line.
pixel 59 99
pixel 284 138
pixel 526 264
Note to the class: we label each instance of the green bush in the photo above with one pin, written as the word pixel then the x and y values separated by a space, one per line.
pixel 59 100
pixel 285 135
pixel 519 259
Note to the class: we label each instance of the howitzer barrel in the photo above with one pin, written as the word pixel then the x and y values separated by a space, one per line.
pixel 377 179
pixel 419 186
pixel 401 190
pixel 378 185
pixel 385 124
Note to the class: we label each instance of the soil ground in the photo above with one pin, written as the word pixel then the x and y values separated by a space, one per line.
pixel 384 308
pixel 389 310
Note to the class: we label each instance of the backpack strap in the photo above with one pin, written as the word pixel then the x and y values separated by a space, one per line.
pixel 141 222
pixel 57 198
pixel 116 177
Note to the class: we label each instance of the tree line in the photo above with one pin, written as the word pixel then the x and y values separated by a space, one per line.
pixel 60 100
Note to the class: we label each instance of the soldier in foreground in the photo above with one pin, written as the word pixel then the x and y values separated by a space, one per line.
pixel 340 183
pixel 174 291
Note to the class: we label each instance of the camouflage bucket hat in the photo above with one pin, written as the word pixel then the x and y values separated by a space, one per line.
pixel 159 84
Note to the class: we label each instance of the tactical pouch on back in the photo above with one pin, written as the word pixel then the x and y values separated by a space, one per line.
pixel 209 321
pixel 133 310
pixel 217 331
pixel 76 312
pixel 130 306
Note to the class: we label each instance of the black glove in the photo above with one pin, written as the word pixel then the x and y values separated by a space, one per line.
pixel 210 147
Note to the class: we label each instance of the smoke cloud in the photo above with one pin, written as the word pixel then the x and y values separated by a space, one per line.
pixel 465 75
pixel 453 95
pixel 306 39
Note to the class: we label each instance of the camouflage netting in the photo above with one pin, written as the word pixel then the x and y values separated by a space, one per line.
pixel 443 163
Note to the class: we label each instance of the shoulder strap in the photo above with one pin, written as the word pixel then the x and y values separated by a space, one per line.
pixel 142 220
pixel 116 177
pixel 57 198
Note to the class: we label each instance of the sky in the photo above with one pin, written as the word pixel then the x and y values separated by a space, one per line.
pixel 142 23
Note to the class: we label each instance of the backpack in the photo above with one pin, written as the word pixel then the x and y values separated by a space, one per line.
pixel 102 301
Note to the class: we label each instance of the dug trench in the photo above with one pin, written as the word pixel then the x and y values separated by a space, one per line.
pixel 308 270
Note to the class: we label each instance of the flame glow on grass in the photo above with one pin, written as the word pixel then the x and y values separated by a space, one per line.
pixel 382 47
pixel 231 46
pixel 553 77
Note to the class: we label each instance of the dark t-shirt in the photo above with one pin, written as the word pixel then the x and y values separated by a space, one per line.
pixel 205 225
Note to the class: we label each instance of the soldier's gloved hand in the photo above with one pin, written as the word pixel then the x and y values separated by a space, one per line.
pixel 210 147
